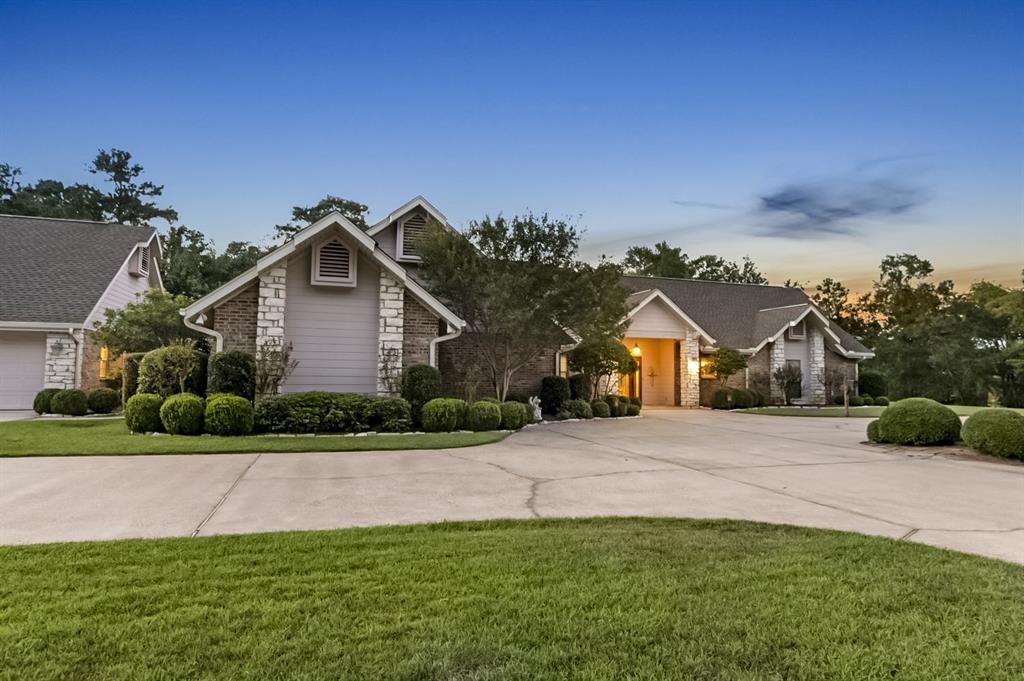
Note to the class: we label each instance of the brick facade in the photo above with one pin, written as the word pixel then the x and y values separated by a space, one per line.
pixel 755 377
pixel 836 369
pixel 465 374
pixel 420 326
pixel 235 320
pixel 91 363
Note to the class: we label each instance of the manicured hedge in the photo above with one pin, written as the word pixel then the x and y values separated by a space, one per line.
pixel 856 401
pixel 514 415
pixel 621 408
pixel 232 372
pixel 997 432
pixel 722 399
pixel 313 412
pixel 158 371
pixel 873 431
pixel 867 400
pixel 578 409
pixel 142 413
pixel 443 414
pixel 42 402
pixel 70 403
pixel 579 387
pixel 182 414
pixel 919 421
pixel 743 399
pixel 882 401
pixel 228 415
pixel 103 400
pixel 388 414
pixel 871 383
pixel 484 415
pixel 554 392
pixel 600 409
pixel 130 375
pixel 420 384
pixel 633 410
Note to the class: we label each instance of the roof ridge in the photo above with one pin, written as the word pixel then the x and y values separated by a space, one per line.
pixel 711 281
pixel 783 307
pixel 93 222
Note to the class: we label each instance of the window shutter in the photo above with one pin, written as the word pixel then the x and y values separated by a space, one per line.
pixel 413 228
pixel 332 264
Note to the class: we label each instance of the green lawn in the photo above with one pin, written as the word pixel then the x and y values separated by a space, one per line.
pixel 865 412
pixel 568 599
pixel 73 437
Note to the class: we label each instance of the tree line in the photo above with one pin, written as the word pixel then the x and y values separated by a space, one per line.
pixel 930 340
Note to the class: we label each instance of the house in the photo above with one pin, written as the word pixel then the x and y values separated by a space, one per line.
pixel 354 309
pixel 675 325
pixel 58 277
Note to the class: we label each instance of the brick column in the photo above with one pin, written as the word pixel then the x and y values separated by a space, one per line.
pixel 689 370
pixel 270 307
pixel 390 333
pixel 61 361
pixel 777 360
pixel 817 369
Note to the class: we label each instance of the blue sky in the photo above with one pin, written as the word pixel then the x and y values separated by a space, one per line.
pixel 814 137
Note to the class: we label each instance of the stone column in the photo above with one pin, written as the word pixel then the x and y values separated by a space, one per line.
pixel 61 361
pixel 817 369
pixel 391 333
pixel 689 370
pixel 777 360
pixel 270 307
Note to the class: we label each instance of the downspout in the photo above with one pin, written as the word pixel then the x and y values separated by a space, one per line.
pixel 432 357
pixel 218 339
pixel 78 355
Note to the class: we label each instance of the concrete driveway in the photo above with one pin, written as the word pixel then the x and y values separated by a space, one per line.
pixel 805 471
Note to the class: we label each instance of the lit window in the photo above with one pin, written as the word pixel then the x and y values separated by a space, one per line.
pixel 104 361
pixel 563 365
pixel 707 367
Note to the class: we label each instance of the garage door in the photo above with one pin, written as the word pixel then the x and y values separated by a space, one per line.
pixel 22 360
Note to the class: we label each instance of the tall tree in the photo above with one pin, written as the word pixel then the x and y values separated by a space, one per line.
pixel 146 324
pixel 127 202
pixel 519 285
pixel 668 261
pixel 303 216
pixel 836 301
pixel 191 265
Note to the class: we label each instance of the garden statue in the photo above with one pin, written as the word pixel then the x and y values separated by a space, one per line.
pixel 535 403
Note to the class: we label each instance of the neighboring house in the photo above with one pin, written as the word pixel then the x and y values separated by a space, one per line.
pixel 676 324
pixel 58 277
pixel 355 311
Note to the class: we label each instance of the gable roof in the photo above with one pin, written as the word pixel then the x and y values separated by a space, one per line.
pixel 54 271
pixel 742 316
pixel 415 202
pixel 641 299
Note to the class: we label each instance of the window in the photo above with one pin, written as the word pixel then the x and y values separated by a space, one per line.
pixel 707 367
pixel 334 264
pixel 410 230
pixel 798 332
pixel 104 361
pixel 794 390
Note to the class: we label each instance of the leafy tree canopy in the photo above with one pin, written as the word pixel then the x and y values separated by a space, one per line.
pixel 146 324
pixel 303 216
pixel 667 261
pixel 599 359
pixel 191 265
pixel 726 362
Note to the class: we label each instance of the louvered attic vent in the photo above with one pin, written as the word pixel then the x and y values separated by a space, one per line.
pixel 409 232
pixel 334 265
pixel 141 268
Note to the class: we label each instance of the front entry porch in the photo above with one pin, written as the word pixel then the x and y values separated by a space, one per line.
pixel 666 374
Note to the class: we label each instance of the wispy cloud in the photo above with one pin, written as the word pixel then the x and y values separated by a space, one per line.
pixel 702 204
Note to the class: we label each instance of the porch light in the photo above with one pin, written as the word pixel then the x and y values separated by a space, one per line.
pixel 692 366
pixel 636 350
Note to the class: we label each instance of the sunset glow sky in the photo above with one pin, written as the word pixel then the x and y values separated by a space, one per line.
pixel 813 137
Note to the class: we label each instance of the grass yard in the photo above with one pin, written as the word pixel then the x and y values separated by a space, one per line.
pixel 865 412
pixel 75 437
pixel 567 599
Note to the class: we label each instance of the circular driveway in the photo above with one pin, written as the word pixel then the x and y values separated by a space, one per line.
pixel 807 471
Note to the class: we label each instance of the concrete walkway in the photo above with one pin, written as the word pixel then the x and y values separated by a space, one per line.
pixel 805 471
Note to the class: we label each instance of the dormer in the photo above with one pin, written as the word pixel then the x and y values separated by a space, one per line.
pixel 333 264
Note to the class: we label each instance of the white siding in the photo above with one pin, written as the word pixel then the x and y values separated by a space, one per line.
pixel 656 320
pixel 124 288
pixel 333 330
pixel 388 240
pixel 22 368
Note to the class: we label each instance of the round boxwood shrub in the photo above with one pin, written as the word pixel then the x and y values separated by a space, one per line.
pixel 388 415
pixel 856 401
pixel 632 410
pixel 621 408
pixel 443 414
pixel 70 403
pixel 743 399
pixel 637 401
pixel 882 401
pixel 182 414
pixel 41 403
pixel 420 384
pixel 167 370
pixel 142 413
pixel 103 400
pixel 868 400
pixel 874 433
pixel 483 416
pixel 514 415
pixel 228 415
pixel 600 409
pixel 919 421
pixel 997 432
pixel 578 409
pixel 233 373
pixel 722 399
pixel 554 392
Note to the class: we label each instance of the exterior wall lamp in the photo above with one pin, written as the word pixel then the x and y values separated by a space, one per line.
pixel 636 350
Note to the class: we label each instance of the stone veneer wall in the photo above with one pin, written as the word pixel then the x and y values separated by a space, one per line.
pixel 777 360
pixel 235 320
pixel 270 306
pixel 62 358
pixel 391 336
pixel 816 371
pixel 419 327
pixel 689 370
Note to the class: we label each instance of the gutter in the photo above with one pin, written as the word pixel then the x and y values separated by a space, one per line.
pixel 218 339
pixel 432 356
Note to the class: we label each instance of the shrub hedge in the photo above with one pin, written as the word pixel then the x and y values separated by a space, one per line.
pixel 130 375
pixel 882 401
pixel 388 414
pixel 600 409
pixel 636 401
pixel 420 384
pixel 142 413
pixel 621 408
pixel 554 392
pixel 633 410
pixel 997 432
pixel 159 371
pixel 228 414
pixel 743 398
pixel 867 400
pixel 103 400
pixel 919 421
pixel 70 403
pixel 579 387
pixel 873 431
pixel 514 415
pixel 443 414
pixel 871 383
pixel 41 403
pixel 578 409
pixel 182 414
pixel 484 415
pixel 722 399
pixel 232 372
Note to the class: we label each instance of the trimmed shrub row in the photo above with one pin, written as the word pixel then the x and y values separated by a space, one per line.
pixel 996 432
pixel 188 414
pixel 445 414
pixel 75 402
pixel 863 400
pixel 736 398
pixel 327 412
